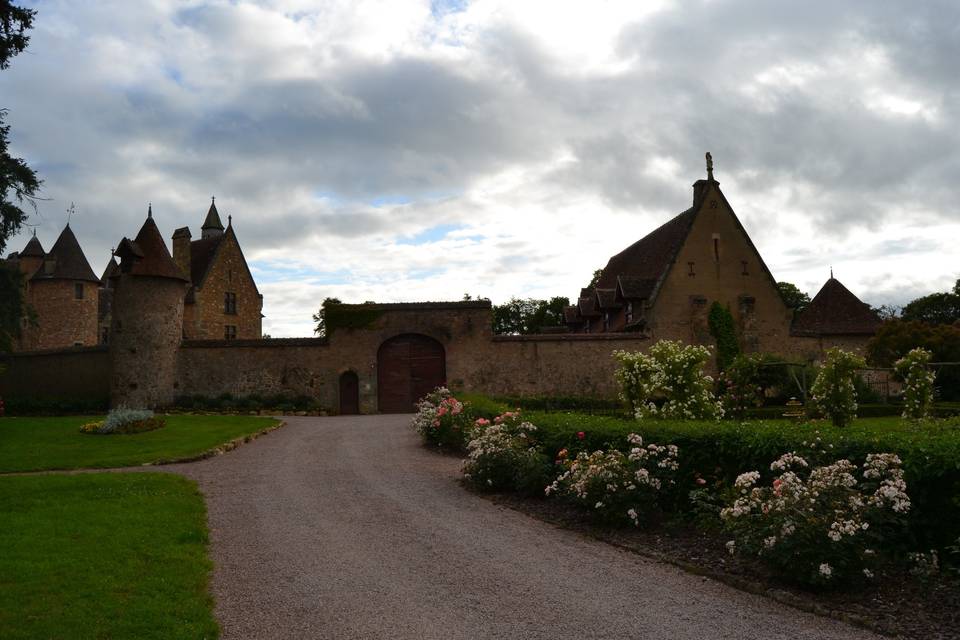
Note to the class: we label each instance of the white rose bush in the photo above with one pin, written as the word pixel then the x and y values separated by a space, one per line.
pixel 918 381
pixel 833 392
pixel 819 525
pixel 618 487
pixel 440 419
pixel 502 455
pixel 668 382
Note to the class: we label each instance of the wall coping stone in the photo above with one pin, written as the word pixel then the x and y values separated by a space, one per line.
pixel 422 306
pixel 56 352
pixel 572 337
pixel 256 343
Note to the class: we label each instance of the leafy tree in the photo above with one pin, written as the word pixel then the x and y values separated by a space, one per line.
pixel 896 338
pixel 17 181
pixel 524 316
pixel 320 316
pixel 888 311
pixel 792 296
pixel 936 308
pixel 12 308
pixel 595 280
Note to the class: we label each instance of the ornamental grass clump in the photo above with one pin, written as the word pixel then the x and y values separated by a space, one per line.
pixel 833 392
pixel 502 455
pixel 125 420
pixel 918 381
pixel 668 382
pixel 819 525
pixel 440 419
pixel 618 487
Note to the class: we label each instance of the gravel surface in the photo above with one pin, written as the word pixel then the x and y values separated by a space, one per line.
pixel 347 528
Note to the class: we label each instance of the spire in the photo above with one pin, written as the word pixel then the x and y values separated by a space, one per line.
pixel 212 226
pixel 149 209
pixel 831 272
pixel 34 248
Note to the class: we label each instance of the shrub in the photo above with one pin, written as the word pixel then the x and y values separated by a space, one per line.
pixel 740 385
pixel 833 392
pixel 671 373
pixel 819 525
pixel 440 419
pixel 618 487
pixel 124 420
pixel 917 383
pixel 502 456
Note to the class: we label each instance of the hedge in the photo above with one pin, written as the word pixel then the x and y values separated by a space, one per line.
pixel 930 452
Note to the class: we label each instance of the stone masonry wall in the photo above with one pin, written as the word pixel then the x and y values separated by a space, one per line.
pixel 62 320
pixel 206 319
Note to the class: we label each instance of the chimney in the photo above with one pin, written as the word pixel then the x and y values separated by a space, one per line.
pixel 181 250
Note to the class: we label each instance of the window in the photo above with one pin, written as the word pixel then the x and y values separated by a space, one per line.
pixel 606 321
pixel 690 273
pixel 744 271
pixel 629 313
pixel 586 326
pixel 716 247
pixel 230 303
pixel 78 291
pixel 78 344
pixel 229 332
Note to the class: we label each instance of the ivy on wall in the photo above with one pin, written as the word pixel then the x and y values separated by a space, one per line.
pixel 720 322
pixel 338 316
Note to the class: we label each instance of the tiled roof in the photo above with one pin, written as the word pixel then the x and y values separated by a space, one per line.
pixel 588 306
pixel 650 257
pixel 111 269
pixel 147 255
pixel 570 314
pixel 835 311
pixel 33 249
pixel 202 252
pixel 67 260
pixel 607 299
pixel 635 288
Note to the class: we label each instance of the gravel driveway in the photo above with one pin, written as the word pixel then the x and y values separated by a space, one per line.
pixel 347 528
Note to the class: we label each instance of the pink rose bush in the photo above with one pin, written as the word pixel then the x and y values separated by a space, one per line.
pixel 618 487
pixel 503 455
pixel 819 525
pixel 441 419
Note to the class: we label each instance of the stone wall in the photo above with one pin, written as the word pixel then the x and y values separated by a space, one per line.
pixel 206 318
pixel 53 301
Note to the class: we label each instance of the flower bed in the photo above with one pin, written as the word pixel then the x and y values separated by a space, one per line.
pixel 125 421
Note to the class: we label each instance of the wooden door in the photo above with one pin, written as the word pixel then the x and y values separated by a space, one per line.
pixel 349 393
pixel 409 366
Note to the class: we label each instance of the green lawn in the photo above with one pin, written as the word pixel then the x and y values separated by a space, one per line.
pixel 33 444
pixel 106 555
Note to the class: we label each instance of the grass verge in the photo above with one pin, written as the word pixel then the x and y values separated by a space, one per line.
pixel 39 444
pixel 107 555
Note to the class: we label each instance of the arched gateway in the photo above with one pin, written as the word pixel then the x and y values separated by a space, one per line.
pixel 409 366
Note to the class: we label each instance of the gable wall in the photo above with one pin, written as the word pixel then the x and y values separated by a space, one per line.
pixel 61 319
pixel 674 314
pixel 205 319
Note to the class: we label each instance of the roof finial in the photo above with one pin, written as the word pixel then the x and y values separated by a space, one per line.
pixel 831 272
pixel 213 199
pixel 709 166
pixel 230 220
pixel 34 232
pixel 70 211
pixel 149 209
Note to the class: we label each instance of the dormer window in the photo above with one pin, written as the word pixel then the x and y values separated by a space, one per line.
pixel 629 312
pixel 49 266
pixel 606 321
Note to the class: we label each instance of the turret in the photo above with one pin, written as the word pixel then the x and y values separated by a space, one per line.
pixel 212 226
pixel 147 322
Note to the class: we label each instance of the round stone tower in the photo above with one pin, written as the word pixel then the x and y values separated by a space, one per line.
pixel 147 323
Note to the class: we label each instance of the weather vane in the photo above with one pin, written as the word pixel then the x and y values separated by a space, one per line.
pixel 70 211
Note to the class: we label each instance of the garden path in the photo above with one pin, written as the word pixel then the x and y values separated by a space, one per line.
pixel 348 528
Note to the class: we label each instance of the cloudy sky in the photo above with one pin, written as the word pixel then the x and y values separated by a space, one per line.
pixel 416 150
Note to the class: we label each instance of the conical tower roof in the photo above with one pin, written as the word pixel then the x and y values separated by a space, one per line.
pixel 33 249
pixel 212 222
pixel 111 269
pixel 68 261
pixel 836 311
pixel 147 254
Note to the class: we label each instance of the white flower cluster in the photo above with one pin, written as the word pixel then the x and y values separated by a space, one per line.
pixel 671 373
pixel 788 522
pixel 918 381
pixel 499 452
pixel 833 392
pixel 619 484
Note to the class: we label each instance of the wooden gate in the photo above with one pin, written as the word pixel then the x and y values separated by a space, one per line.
pixel 349 393
pixel 409 366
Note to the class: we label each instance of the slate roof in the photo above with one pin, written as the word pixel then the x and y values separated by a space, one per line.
pixel 635 288
pixel 835 311
pixel 68 260
pixel 111 269
pixel 147 255
pixel 202 253
pixel 213 218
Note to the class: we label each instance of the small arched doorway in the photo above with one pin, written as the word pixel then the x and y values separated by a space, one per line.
pixel 349 393
pixel 409 366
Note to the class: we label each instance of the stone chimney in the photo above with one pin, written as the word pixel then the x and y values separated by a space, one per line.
pixel 181 250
